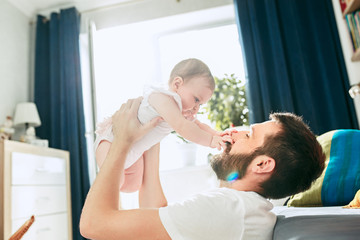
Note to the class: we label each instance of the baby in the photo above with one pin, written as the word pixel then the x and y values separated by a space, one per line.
pixel 191 84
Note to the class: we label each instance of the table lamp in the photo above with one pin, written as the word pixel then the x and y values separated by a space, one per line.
pixel 26 114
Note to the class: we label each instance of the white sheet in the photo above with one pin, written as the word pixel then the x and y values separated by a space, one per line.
pixel 309 211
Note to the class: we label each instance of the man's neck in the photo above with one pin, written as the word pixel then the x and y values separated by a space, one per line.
pixel 241 185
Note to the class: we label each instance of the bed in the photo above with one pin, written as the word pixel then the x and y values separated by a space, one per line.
pixel 316 223
pixel 317 213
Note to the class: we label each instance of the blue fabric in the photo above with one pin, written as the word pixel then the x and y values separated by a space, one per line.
pixel 294 62
pixel 58 96
pixel 342 176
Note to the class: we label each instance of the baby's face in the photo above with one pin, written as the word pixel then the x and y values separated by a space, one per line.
pixel 193 93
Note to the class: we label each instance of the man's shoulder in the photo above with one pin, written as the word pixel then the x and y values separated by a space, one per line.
pixel 230 197
pixel 203 211
pixel 246 201
pixel 224 199
pixel 233 193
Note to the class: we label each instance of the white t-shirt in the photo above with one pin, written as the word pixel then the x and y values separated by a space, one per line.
pixel 220 214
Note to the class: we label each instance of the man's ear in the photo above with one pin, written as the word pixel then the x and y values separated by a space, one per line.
pixel 176 83
pixel 263 164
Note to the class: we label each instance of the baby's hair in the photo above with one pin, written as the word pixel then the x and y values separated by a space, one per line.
pixel 192 67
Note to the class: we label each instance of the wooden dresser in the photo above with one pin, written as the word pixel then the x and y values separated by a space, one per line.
pixel 34 181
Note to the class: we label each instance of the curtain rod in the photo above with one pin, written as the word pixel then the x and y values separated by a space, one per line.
pixel 123 3
pixel 95 9
pixel 48 11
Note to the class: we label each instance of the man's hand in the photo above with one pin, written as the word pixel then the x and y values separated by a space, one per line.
pixel 126 126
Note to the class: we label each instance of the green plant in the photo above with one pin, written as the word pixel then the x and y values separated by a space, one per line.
pixel 227 107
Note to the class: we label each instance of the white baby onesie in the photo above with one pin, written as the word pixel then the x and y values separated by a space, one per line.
pixel 145 114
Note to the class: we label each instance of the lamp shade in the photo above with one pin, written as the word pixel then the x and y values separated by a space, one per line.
pixel 26 113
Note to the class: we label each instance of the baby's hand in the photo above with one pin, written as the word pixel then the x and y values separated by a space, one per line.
pixel 219 142
pixel 228 132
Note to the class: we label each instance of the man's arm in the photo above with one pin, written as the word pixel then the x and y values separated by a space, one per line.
pixel 151 194
pixel 101 218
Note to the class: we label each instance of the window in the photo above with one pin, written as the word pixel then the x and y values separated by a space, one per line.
pixel 126 58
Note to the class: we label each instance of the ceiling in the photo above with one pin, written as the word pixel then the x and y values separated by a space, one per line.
pixel 32 7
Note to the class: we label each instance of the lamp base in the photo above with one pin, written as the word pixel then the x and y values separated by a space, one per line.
pixel 38 142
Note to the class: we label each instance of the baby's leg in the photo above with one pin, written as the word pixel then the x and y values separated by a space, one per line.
pixel 133 176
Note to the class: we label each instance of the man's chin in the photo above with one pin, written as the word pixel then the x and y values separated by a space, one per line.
pixel 217 164
pixel 230 167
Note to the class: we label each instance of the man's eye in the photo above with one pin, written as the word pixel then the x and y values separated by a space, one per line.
pixel 247 135
pixel 197 100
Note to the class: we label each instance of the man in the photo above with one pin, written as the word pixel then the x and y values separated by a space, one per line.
pixel 274 159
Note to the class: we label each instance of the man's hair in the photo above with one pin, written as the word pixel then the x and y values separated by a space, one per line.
pixel 190 68
pixel 299 158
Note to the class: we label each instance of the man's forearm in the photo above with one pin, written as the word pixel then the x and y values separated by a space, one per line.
pixel 101 219
pixel 151 194
pixel 104 193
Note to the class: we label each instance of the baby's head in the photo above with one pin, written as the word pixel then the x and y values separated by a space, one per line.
pixel 191 68
pixel 193 81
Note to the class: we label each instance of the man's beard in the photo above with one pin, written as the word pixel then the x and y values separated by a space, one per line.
pixel 227 165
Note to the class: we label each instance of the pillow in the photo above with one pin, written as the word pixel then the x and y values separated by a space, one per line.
pixel 340 179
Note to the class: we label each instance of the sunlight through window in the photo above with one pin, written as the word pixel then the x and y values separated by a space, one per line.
pixel 127 58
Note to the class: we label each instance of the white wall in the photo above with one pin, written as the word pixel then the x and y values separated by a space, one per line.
pixel 353 68
pixel 14 58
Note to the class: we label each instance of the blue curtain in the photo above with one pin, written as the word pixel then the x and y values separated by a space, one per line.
pixel 58 96
pixel 294 62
